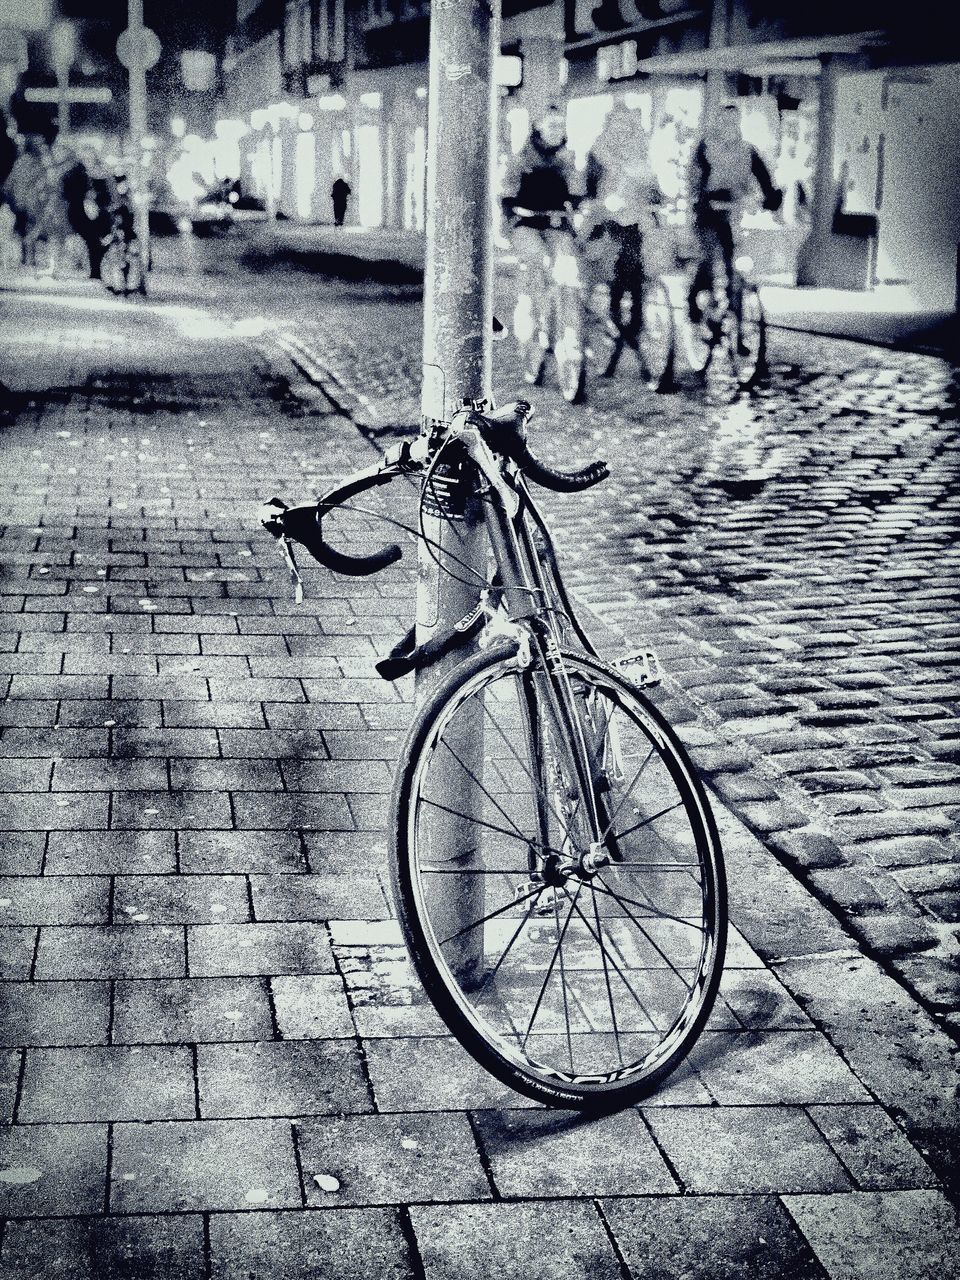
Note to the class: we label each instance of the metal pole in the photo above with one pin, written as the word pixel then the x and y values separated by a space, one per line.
pixel 63 102
pixel 138 129
pixel 464 42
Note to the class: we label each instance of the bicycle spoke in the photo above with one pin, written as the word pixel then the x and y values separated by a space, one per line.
pixel 496 968
pixel 473 778
pixel 637 826
pixel 623 799
pixel 468 928
pixel 563 981
pixel 474 871
pixel 606 978
pixel 645 906
pixel 659 950
pixel 550 968
pixel 537 785
pixel 599 941
pixel 480 822
pixel 661 866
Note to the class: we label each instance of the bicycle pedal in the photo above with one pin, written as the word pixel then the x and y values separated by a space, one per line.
pixel 642 667
pixel 547 903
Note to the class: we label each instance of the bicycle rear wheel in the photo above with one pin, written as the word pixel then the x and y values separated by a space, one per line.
pixel 581 988
pixel 531 339
pixel 749 346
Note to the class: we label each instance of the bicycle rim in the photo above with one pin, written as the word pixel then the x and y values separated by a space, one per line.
pixel 749 348
pixel 656 338
pixel 581 990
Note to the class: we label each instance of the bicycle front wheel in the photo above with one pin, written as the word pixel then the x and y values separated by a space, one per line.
pixel 579 971
pixel 656 337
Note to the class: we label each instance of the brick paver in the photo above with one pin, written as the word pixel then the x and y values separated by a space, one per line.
pixel 208 1013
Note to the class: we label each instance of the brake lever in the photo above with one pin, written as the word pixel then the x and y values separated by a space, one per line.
pixel 296 578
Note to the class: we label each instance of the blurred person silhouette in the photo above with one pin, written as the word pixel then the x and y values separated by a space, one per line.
pixel 622 195
pixel 339 194
pixel 541 185
pixel 724 171
pixel 30 191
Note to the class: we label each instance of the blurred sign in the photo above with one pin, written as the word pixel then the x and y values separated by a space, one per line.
pixel 25 15
pixel 138 48
pixel 617 61
pixel 76 93
pixel 199 70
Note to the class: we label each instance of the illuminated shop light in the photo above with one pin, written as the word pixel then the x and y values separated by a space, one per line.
pixel 509 70
pixel 231 129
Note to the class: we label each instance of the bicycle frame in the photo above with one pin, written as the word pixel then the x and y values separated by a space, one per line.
pixel 534 607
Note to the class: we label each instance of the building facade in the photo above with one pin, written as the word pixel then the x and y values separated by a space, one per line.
pixel 854 108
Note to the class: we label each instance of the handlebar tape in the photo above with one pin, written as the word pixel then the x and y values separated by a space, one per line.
pixel 506 432
pixel 304 525
pixel 563 481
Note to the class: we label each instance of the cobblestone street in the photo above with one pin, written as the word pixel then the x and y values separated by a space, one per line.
pixel 793 557
pixel 208 1018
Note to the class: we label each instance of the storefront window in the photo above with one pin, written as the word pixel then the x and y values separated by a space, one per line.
pixel 306 174
pixel 370 176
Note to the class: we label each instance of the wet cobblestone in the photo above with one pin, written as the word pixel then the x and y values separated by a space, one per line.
pixel 796 552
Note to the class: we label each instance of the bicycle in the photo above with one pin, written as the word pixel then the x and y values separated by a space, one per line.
pixel 587 318
pixel 731 326
pixel 121 268
pixel 555 864
pixel 629 307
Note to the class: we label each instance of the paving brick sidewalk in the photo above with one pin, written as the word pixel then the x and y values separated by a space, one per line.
pixel 206 1005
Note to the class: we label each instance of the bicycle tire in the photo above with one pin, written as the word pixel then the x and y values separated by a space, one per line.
pixel 570 352
pixel 657 1035
pixel 656 340
pixel 749 350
